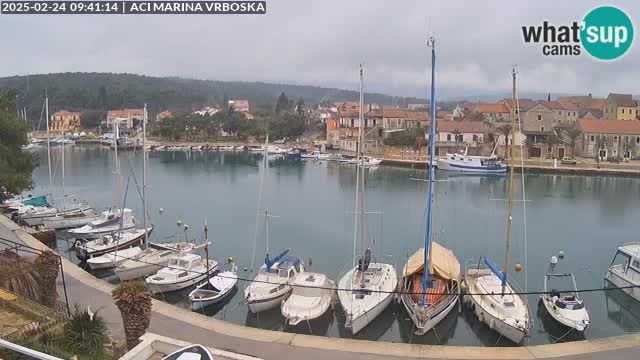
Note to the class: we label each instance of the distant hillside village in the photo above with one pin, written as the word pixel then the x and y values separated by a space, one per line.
pixel 582 126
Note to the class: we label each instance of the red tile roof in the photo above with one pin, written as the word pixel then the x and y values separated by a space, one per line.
pixel 65 113
pixel 569 105
pixel 125 113
pixel 597 126
pixel 461 126
pixel 492 108
pixel 553 105
pixel 596 105
pixel 406 114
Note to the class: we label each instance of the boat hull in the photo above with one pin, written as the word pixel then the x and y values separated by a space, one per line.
pixel 97 232
pixel 557 315
pixel 514 334
pixel 83 254
pixel 267 304
pixel 621 283
pixel 364 319
pixel 138 272
pixel 444 164
pixel 422 326
pixel 63 223
pixel 156 287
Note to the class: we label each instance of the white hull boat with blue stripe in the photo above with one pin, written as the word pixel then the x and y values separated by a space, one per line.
pixel 470 163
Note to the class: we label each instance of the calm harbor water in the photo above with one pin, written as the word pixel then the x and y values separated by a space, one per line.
pixel 313 208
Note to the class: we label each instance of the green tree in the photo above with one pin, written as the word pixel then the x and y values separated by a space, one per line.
pixel 16 166
pixel 574 133
pixel 282 104
pixel 551 140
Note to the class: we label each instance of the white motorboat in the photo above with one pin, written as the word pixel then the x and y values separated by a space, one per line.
pixel 334 157
pixel 273 283
pixel 36 215
pixel 150 260
pixel 256 149
pixel 226 148
pixel 109 222
pixel 443 279
pixel 315 155
pixel 109 243
pixel 183 272
pixel 72 219
pixel 312 295
pixel 470 163
pixel 624 271
pixel 215 290
pixel 191 352
pixel 112 259
pixel 496 301
pixel 160 148
pixel 370 161
pixel 565 307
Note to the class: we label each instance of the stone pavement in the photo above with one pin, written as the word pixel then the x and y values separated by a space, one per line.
pixel 181 324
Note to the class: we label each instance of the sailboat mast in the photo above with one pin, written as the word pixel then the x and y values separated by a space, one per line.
pixel 206 247
pixel 266 175
pixel 116 164
pixel 432 149
pixel 357 204
pixel 144 179
pixel 360 149
pixel 511 164
pixel 46 106
pixel 62 151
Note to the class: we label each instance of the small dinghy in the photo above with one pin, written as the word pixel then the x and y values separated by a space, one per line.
pixel 565 307
pixel 112 259
pixel 214 290
pixel 192 352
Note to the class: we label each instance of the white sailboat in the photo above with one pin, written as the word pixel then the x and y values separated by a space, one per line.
pixel 272 285
pixel 112 259
pixel 431 277
pixel 108 222
pixel 367 288
pixel 150 260
pixel 312 295
pixel 494 298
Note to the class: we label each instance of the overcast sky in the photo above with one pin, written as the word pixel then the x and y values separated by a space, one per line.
pixel 322 42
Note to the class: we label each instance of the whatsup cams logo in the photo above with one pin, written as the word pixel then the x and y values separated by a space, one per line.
pixel 605 33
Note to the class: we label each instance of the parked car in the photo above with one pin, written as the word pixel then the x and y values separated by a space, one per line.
pixel 567 160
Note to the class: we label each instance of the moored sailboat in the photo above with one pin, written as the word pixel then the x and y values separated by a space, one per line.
pixel 367 288
pixel 431 277
pixel 493 297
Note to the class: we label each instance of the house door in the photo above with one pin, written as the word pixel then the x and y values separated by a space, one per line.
pixel 602 154
pixel 560 153
pixel 535 152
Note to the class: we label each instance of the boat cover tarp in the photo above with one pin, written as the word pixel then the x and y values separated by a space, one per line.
pixel 442 263
pixel 37 201
pixel 496 270
pixel 270 262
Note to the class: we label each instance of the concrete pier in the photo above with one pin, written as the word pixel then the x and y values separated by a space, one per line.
pixel 181 324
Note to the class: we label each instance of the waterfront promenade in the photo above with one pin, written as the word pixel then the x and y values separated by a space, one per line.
pixel 171 321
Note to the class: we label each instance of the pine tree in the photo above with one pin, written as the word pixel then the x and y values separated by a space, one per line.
pixel 282 104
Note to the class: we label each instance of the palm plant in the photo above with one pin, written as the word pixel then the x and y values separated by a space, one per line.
pixel 134 302
pixel 47 266
pixel 505 130
pixel 18 275
pixel 85 332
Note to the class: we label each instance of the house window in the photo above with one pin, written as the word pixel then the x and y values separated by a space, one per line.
pixel 593 138
pixel 623 111
pixel 541 128
pixel 615 139
pixel 637 139
pixel 539 117
pixel 448 137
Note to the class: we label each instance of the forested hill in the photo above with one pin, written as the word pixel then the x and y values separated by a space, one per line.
pixel 104 91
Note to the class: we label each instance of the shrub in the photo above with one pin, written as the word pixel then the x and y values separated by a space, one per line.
pixel 84 333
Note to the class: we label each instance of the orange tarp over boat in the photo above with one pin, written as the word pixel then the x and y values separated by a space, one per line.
pixel 442 263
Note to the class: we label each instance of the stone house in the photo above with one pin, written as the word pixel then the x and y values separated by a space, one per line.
pixel 620 107
pixel 609 138
pixel 493 112
pixel 64 122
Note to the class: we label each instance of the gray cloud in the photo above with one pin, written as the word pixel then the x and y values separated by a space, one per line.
pixel 322 43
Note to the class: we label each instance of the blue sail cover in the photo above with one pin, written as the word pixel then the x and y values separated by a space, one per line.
pixel 37 201
pixel 496 270
pixel 270 262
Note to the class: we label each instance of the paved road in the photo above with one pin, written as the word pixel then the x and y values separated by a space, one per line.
pixel 181 324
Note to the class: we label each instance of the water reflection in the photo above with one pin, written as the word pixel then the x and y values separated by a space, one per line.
pixel 622 309
pixel 439 335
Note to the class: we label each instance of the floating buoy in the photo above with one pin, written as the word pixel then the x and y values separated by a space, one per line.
pixel 561 254
pixel 554 260
pixel 518 267
pixel 230 259
pixel 179 223
pixel 161 210
pixel 246 269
